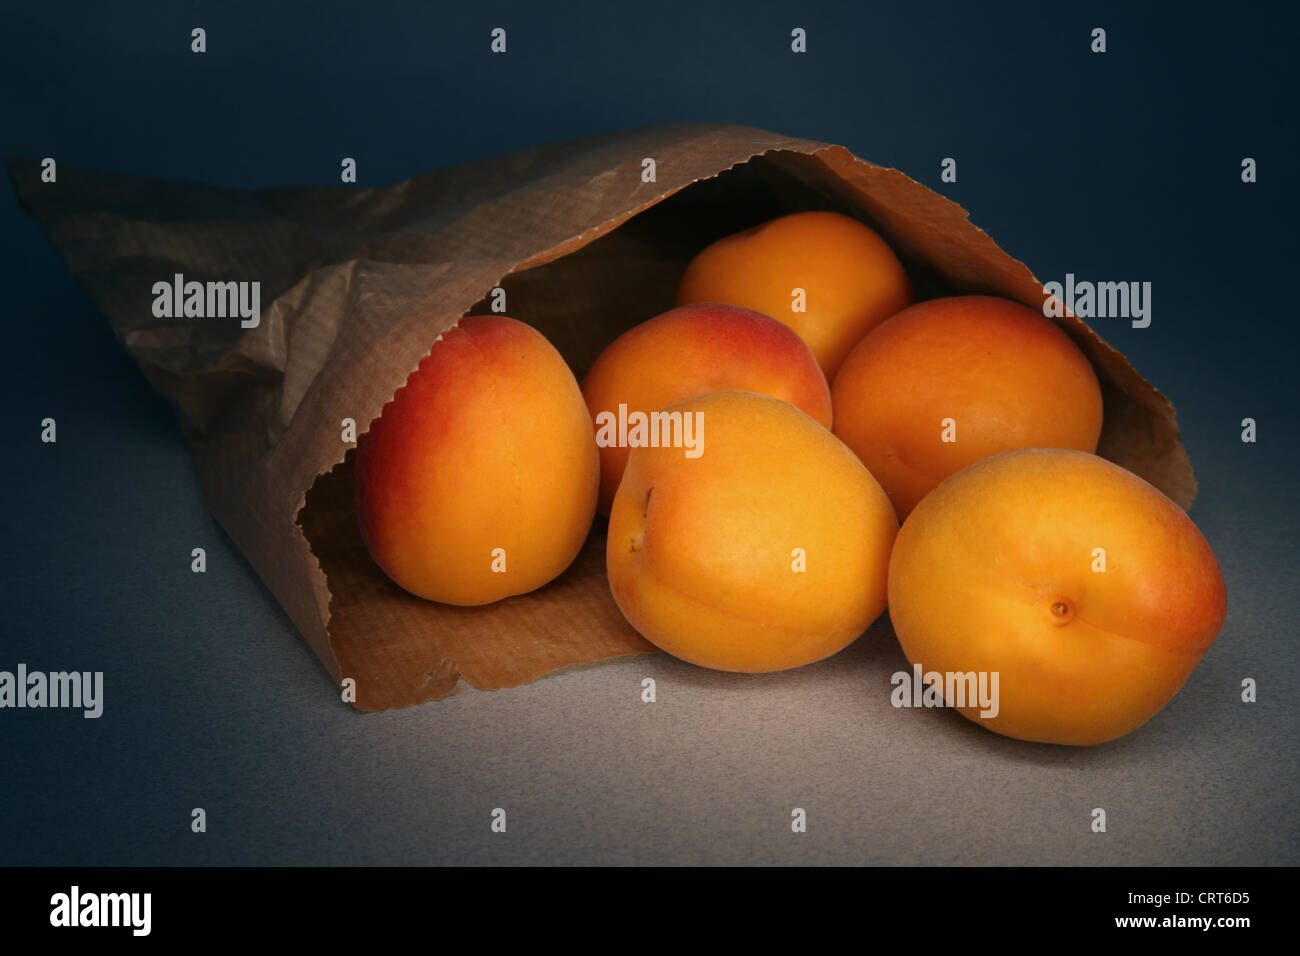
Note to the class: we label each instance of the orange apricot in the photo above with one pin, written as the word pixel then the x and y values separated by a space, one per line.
pixel 1086 591
pixel 478 480
pixel 949 381
pixel 688 351
pixel 826 275
pixel 767 550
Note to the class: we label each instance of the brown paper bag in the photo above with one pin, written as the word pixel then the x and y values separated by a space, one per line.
pixel 357 284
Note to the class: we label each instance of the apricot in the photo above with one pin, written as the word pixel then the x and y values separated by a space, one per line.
pixel 694 350
pixel 949 381
pixel 1089 593
pixel 850 279
pixel 478 480
pixel 767 551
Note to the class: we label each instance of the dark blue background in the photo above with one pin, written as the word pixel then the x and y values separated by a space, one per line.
pixel 1122 166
